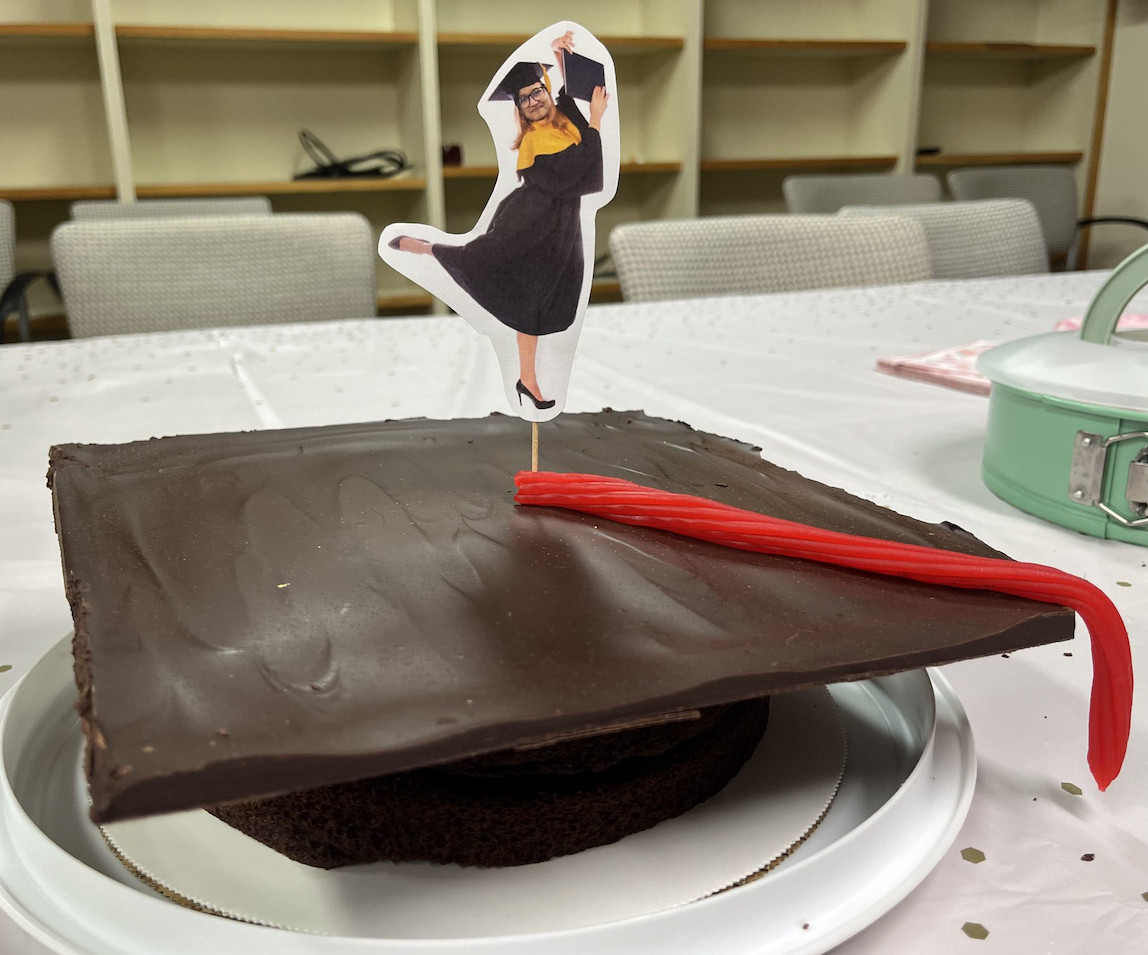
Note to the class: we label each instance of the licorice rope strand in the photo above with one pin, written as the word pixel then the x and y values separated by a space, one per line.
pixel 1112 684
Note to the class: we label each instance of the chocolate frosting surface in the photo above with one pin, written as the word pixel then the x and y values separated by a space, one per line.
pixel 272 611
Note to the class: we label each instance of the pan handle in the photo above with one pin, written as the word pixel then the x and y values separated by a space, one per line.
pixel 1108 304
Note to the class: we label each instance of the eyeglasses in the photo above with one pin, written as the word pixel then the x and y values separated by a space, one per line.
pixel 536 95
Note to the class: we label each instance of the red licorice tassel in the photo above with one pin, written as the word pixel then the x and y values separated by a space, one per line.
pixel 1110 712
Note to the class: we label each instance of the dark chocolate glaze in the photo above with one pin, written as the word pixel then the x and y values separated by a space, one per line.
pixel 273 611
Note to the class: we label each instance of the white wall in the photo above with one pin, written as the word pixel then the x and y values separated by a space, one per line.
pixel 1122 186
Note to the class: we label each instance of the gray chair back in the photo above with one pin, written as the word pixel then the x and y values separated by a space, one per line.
pixel 1050 189
pixel 146 275
pixel 170 208
pixel 974 239
pixel 729 255
pixel 811 195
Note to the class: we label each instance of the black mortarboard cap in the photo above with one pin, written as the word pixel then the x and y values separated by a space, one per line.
pixel 582 75
pixel 518 77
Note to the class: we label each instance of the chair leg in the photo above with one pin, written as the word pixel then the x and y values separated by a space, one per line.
pixel 25 325
pixel 1070 261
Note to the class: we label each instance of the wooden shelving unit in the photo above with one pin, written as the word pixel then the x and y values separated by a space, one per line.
pixel 626 169
pixel 831 87
pixel 470 172
pixel 1067 158
pixel 1010 51
pixel 798 163
pixel 57 193
pixel 606 290
pixel 720 99
pixel 400 304
pixel 602 290
pixel 51 111
pixel 779 47
pixel 377 39
pixel 301 187
pixel 619 45
pixel 1012 83
pixel 46 31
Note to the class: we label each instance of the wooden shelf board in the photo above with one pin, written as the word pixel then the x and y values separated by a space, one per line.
pixel 615 44
pixel 57 192
pixel 42 328
pixel 401 301
pixel 999 159
pixel 491 172
pixel 605 290
pixel 805 47
pixel 799 162
pixel 470 172
pixel 629 168
pixel 1019 51
pixel 379 38
pixel 288 188
pixel 46 31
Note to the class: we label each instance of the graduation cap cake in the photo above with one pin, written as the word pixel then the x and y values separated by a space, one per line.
pixel 288 625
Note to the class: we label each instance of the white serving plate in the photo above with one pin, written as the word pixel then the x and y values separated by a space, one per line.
pixel 905 793
pixel 774 803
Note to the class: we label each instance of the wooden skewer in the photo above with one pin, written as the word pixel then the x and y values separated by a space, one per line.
pixel 533 445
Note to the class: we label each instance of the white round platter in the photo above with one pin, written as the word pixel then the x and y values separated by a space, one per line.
pixel 905 793
pixel 774 803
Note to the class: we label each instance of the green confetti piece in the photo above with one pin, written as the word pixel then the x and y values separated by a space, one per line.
pixel 972 855
pixel 1123 583
pixel 975 930
pixel 5 667
pixel 1072 788
pixel 1144 896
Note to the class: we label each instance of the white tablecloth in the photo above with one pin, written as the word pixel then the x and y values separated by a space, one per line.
pixel 792 373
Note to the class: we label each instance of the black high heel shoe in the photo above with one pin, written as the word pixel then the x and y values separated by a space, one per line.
pixel 538 402
pixel 394 243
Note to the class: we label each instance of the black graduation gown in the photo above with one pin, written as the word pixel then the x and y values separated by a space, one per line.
pixel 527 268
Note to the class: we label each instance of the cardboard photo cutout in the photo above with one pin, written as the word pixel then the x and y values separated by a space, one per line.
pixel 522 275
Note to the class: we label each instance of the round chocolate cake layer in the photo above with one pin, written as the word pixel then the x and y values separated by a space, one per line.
pixel 591 754
pixel 441 816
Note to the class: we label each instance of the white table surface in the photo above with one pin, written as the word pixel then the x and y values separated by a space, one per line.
pixel 793 373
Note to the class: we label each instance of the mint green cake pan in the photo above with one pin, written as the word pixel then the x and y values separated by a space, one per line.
pixel 1067 437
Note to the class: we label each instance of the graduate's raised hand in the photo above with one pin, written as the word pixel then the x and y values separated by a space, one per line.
pixel 564 42
pixel 599 100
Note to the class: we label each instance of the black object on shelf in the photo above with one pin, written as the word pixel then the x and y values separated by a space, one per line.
pixel 379 165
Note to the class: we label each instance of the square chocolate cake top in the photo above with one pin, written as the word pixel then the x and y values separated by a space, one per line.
pixel 273 611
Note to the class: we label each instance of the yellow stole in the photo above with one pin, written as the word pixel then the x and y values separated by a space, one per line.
pixel 546 138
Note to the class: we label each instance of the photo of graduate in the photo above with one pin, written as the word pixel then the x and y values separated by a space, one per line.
pixel 522 275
